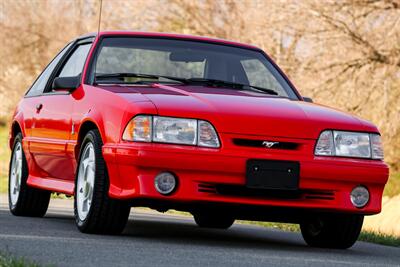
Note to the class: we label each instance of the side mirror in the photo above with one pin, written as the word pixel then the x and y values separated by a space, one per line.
pixel 66 83
pixel 308 99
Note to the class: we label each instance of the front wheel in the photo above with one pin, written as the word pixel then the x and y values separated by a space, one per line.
pixel 332 230
pixel 95 212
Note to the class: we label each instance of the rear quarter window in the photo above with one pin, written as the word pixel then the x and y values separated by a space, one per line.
pixel 40 84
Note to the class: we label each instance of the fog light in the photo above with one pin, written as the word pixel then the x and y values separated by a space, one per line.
pixel 165 183
pixel 359 196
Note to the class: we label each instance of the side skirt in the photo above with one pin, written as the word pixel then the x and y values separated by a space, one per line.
pixel 51 184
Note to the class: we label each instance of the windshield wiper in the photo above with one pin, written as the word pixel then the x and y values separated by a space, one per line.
pixel 121 75
pixel 211 82
pixel 262 89
pixel 215 82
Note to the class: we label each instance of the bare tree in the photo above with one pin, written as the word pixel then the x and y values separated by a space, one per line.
pixel 33 31
pixel 343 53
pixel 355 61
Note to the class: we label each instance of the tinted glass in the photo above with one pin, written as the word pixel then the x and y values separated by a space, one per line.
pixel 40 83
pixel 74 65
pixel 138 60
pixel 189 59
pixel 259 75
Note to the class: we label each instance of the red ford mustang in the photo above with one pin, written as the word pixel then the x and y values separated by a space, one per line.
pixel 213 127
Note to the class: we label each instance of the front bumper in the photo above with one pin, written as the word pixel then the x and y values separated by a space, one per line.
pixel 218 175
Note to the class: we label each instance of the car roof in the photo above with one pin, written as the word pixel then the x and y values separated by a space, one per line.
pixel 168 35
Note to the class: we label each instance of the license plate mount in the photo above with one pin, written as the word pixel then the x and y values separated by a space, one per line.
pixel 272 174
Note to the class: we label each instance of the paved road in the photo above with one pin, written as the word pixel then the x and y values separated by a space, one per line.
pixel 152 239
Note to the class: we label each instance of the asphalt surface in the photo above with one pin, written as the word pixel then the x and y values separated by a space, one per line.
pixel 153 239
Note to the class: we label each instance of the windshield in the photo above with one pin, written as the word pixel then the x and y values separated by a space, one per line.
pixel 189 60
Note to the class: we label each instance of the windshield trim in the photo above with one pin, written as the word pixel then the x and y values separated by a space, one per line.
pixel 90 74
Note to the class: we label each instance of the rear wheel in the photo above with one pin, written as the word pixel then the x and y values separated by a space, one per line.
pixel 213 219
pixel 95 212
pixel 332 230
pixel 22 199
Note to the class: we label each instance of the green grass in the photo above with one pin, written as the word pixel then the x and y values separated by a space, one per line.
pixel 7 260
pixel 288 227
pixel 379 238
pixel 4 158
pixel 3 184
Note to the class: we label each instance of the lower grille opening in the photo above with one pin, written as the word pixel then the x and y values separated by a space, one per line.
pixel 207 188
pixel 243 191
pixel 317 194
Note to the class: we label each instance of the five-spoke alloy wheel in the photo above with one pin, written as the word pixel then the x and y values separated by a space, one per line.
pixel 95 212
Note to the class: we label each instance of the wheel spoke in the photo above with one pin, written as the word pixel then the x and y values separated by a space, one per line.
pixel 85 166
pixel 91 154
pixel 90 175
pixel 18 176
pixel 19 154
pixel 90 195
pixel 85 205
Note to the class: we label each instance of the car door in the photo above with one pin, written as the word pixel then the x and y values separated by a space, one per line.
pixel 31 101
pixel 52 125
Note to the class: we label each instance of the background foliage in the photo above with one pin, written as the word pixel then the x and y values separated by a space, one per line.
pixel 344 54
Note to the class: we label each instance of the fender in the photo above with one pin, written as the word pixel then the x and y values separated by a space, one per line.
pixel 18 121
pixel 77 137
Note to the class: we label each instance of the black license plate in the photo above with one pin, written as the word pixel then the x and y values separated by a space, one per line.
pixel 272 174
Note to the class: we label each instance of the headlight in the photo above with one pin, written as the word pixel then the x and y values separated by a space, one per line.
pixel 174 130
pixel 146 128
pixel 349 144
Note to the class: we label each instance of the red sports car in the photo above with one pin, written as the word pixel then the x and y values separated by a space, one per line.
pixel 208 126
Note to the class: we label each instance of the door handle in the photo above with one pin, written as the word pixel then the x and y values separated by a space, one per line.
pixel 39 107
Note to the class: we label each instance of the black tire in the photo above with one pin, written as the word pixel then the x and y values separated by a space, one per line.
pixel 31 202
pixel 213 219
pixel 105 215
pixel 338 231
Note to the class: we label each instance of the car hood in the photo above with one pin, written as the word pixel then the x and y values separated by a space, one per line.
pixel 244 112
